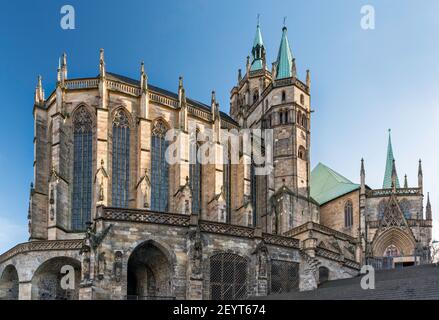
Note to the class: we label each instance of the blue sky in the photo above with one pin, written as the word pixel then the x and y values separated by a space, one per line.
pixel 363 82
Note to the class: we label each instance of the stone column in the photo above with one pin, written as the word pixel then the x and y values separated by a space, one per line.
pixel 25 290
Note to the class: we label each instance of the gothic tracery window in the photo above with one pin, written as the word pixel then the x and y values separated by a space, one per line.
pixel 82 169
pixel 348 214
pixel 121 160
pixel 227 178
pixel 195 175
pixel 159 168
pixel 405 208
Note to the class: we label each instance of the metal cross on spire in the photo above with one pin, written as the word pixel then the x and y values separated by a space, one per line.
pixel 285 20
pixel 258 18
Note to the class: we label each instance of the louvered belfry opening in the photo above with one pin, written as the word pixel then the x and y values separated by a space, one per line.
pixel 284 276
pixel 228 277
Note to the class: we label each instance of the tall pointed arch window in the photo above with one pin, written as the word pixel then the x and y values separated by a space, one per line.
pixel 348 214
pixel 227 179
pixel 159 168
pixel 82 169
pixel 195 172
pixel 121 160
pixel 253 190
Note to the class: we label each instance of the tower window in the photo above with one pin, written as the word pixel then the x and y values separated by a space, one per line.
pixel 299 116
pixel 302 153
pixel 286 116
pixel 304 121
pixel 284 98
pixel 281 117
pixel 348 215
pixel 255 96
pixel 302 99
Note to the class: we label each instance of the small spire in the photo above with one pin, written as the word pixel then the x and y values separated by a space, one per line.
pixel 406 185
pixel 362 171
pixel 102 63
pixel 39 92
pixel 420 168
pixel 63 67
pixel 428 214
pixel 239 76
pixel 213 98
pixel 181 92
pixel 143 77
pixel 308 79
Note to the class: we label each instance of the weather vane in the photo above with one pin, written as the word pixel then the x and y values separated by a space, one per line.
pixel 285 19
pixel 258 18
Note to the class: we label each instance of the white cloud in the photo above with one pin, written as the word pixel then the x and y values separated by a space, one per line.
pixel 11 233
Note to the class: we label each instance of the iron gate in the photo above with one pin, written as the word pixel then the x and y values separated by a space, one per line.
pixel 228 277
pixel 284 276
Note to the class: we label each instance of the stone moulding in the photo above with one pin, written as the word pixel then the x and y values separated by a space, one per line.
pixel 319 228
pixel 331 255
pixel 41 246
pixel 399 192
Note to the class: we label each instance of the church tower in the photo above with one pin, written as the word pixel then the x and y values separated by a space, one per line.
pixel 276 100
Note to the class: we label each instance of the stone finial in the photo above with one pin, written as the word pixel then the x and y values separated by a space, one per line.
pixel 39 92
pixel 247 65
pixel 428 214
pixel 239 76
pixel 102 63
pixel 143 77
pixel 293 68
pixel 406 185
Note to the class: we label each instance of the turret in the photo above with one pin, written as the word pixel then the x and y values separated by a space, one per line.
pixel 406 185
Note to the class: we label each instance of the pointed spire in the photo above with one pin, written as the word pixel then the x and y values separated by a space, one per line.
pixel 420 168
pixel 63 67
pixel 284 60
pixel 406 185
pixel 239 76
pixel 390 167
pixel 363 177
pixel 308 80
pixel 213 100
pixel 428 214
pixel 101 64
pixel 420 176
pixel 258 50
pixel 39 92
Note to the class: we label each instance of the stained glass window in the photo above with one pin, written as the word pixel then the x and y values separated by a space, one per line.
pixel 195 176
pixel 227 177
pixel 82 169
pixel 121 160
pixel 159 168
pixel 253 190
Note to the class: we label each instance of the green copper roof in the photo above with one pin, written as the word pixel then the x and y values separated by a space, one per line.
pixel 284 57
pixel 258 47
pixel 326 184
pixel 258 37
pixel 387 183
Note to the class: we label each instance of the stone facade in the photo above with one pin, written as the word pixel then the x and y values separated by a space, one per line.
pixel 251 236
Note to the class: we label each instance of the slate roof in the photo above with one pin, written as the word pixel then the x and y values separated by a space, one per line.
pixel 326 184
pixel 118 77
pixel 409 283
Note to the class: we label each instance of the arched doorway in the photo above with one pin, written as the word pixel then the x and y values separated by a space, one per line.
pixel 149 273
pixel 47 282
pixel 9 284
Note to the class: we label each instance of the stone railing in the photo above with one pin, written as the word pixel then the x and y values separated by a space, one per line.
pixel 123 87
pixel 281 240
pixel 227 229
pixel 399 192
pixel 163 100
pixel 411 222
pixel 325 253
pixel 312 226
pixel 42 246
pixel 144 216
pixel 200 113
pixel 82 83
